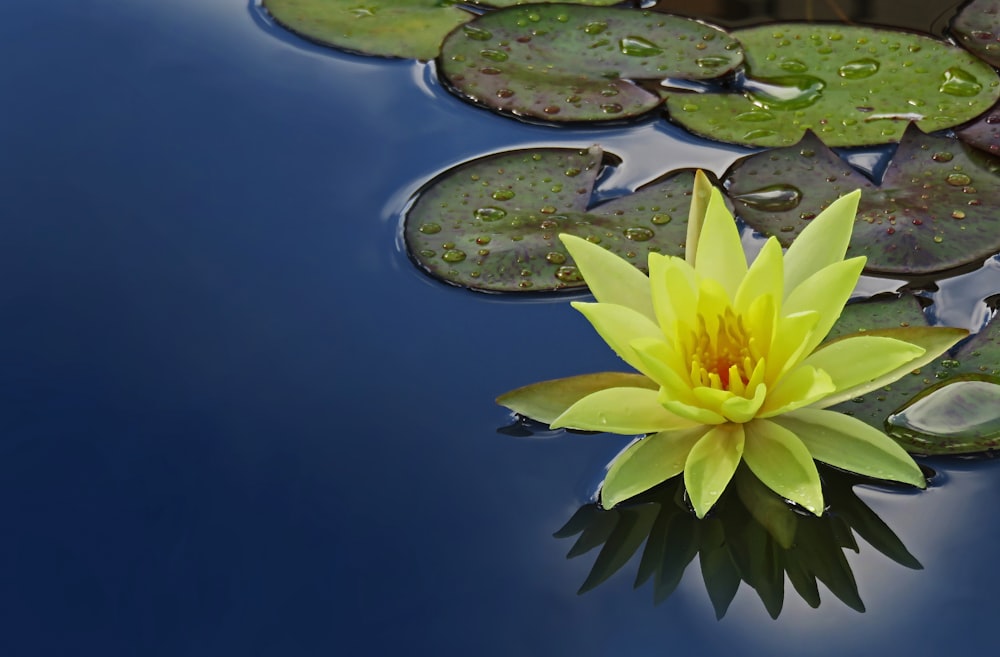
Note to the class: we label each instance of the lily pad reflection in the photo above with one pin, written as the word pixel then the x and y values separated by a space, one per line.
pixel 752 536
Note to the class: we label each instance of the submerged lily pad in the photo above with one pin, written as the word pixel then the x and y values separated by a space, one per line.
pixel 570 63
pixel 492 224
pixel 977 28
pixel 984 132
pixel 922 409
pixel 933 211
pixel 388 28
pixel 853 86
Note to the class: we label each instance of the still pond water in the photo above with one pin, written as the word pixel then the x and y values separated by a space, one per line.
pixel 237 421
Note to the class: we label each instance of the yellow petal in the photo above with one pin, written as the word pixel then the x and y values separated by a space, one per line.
pixel 676 298
pixel 741 409
pixel 734 408
pixel 765 277
pixel 713 301
pixel 789 343
pixel 760 319
pixel 619 326
pixel 826 292
pixel 720 251
pixel 711 464
pixel 798 388
pixel 823 242
pixel 627 411
pixel 861 359
pixel 848 443
pixel 610 278
pixel 783 464
pixel 691 411
pixel 665 366
pixel 648 462
pixel 700 196
pixel 935 340
pixel 674 289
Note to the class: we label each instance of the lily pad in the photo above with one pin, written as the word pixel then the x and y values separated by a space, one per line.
pixel 977 29
pixel 569 63
pixel 853 86
pixel 933 211
pixel 388 28
pixel 545 401
pixel 492 224
pixel 914 409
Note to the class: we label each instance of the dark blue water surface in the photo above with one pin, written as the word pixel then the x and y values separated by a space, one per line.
pixel 235 420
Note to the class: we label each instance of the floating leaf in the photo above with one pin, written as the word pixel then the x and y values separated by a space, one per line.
pixel 853 86
pixel 978 360
pixel 933 211
pixel 547 400
pixel 492 224
pixel 977 29
pixel 388 28
pixel 569 63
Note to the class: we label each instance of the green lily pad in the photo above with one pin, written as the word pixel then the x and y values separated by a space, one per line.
pixel 853 86
pixel 569 63
pixel 914 409
pixel 492 224
pixel 933 211
pixel 387 28
pixel 977 29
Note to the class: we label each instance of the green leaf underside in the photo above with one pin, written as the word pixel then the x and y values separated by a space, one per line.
pixel 933 210
pixel 386 28
pixel 977 29
pixel 547 400
pixel 493 224
pixel 976 360
pixel 568 63
pixel 853 86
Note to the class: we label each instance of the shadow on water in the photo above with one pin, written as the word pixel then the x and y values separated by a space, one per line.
pixel 751 536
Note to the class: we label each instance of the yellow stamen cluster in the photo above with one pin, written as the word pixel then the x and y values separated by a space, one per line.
pixel 724 358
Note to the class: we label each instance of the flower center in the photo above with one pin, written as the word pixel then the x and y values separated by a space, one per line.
pixel 722 356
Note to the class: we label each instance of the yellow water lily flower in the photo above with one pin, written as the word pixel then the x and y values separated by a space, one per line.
pixel 732 362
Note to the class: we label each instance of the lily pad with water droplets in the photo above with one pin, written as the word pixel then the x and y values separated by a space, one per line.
pixel 947 407
pixel 492 224
pixel 387 28
pixel 568 63
pixel 977 28
pixel 852 86
pixel 933 211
